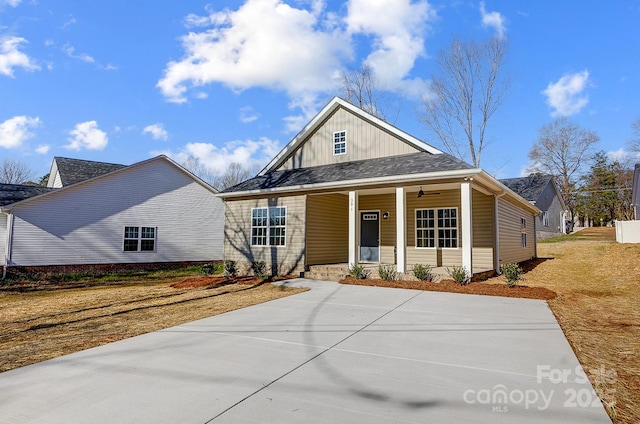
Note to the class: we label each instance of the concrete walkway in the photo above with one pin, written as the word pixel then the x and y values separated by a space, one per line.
pixel 335 354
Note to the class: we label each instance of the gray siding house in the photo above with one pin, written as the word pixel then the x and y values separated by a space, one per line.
pixel 149 212
pixel 543 191
pixel 351 188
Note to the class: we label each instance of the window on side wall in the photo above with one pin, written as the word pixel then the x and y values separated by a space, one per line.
pixel 523 232
pixel 339 143
pixel 268 226
pixel 140 239
pixel 545 218
pixel 437 227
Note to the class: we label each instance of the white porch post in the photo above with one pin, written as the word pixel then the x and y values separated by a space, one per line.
pixel 401 231
pixel 466 228
pixel 353 228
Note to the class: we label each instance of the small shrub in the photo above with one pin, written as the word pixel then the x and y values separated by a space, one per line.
pixel 512 273
pixel 387 272
pixel 230 269
pixel 358 272
pixel 259 269
pixel 460 275
pixel 212 269
pixel 423 272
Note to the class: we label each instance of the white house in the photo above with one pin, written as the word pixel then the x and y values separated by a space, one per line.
pixel 149 212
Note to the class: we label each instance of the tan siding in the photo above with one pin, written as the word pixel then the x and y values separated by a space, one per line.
pixel 383 203
pixel 434 257
pixel 483 231
pixel 364 141
pixel 327 229
pixel 510 235
pixel 281 259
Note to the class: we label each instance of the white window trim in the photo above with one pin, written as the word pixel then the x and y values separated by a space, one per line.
pixel 523 233
pixel 333 143
pixel 140 239
pixel 268 227
pixel 545 218
pixel 435 229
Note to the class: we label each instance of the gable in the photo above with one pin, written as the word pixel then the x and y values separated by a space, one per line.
pixel 364 140
pixel 67 171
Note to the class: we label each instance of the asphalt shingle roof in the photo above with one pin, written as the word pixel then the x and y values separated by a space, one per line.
pixel 528 187
pixel 12 193
pixel 415 163
pixel 73 171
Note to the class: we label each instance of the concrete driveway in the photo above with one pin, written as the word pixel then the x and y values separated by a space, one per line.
pixel 335 354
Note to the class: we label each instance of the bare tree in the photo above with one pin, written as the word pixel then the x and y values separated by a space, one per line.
pixel 234 174
pixel 563 149
pixel 360 87
pixel 634 143
pixel 465 95
pixel 15 172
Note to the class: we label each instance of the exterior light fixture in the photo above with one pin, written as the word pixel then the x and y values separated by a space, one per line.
pixel 420 193
pixel 385 215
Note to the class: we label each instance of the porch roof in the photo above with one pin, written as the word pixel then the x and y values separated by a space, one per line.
pixel 410 164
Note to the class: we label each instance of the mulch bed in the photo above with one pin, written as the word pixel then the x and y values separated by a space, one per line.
pixel 451 286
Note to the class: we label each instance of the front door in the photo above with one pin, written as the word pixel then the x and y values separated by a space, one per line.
pixel 370 236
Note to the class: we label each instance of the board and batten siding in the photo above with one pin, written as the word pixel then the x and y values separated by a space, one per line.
pixel 84 224
pixel 364 140
pixel 287 259
pixel 510 240
pixel 327 229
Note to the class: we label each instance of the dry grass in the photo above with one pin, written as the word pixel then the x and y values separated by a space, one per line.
pixel 598 308
pixel 45 324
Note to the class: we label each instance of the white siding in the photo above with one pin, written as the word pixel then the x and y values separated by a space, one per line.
pixel 3 237
pixel 85 224
pixel 364 141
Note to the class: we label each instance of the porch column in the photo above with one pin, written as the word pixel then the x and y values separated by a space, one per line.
pixel 401 230
pixel 466 226
pixel 353 228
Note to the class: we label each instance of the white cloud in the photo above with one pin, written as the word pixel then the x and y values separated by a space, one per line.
pixel 564 96
pixel 11 57
pixel 265 43
pixel 245 152
pixel 12 3
pixel 493 20
pixel 157 131
pixel 43 149
pixel 15 131
pixel 247 115
pixel 622 156
pixel 70 51
pixel 398 28
pixel 87 135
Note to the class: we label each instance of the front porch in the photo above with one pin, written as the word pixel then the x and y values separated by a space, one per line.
pixel 336 272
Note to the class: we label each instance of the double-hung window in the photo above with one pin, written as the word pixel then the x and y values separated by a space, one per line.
pixel 268 226
pixel 437 228
pixel 139 239
pixel 523 232
pixel 339 143
pixel 545 218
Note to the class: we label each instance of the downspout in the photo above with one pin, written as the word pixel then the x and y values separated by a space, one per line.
pixel 8 243
pixel 496 219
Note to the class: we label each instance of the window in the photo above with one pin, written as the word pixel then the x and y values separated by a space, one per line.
pixel 545 218
pixel 523 232
pixel 339 143
pixel 268 226
pixel 139 239
pixel 445 227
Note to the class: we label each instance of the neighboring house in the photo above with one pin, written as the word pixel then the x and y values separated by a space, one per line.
pixel 543 191
pixel 149 212
pixel 351 188
pixel 629 231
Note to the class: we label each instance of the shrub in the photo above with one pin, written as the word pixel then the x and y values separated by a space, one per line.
pixel 212 269
pixel 230 269
pixel 423 272
pixel 459 274
pixel 259 269
pixel 512 273
pixel 357 271
pixel 387 272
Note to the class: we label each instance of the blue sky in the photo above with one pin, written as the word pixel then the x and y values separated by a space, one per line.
pixel 234 81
